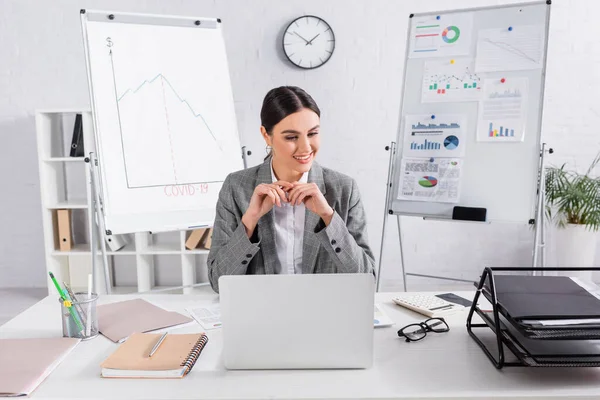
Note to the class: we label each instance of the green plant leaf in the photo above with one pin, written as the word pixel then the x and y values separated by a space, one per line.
pixel 573 198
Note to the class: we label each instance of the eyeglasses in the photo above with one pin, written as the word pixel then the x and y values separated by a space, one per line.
pixel 415 332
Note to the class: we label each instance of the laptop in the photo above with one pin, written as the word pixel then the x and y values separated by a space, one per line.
pixel 316 321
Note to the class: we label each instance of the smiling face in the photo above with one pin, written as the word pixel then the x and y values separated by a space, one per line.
pixel 295 142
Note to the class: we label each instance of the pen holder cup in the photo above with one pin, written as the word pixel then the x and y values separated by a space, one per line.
pixel 79 318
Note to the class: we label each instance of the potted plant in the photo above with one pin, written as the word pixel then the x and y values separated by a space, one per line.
pixel 573 203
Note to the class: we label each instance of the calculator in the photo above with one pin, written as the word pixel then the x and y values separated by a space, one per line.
pixel 426 304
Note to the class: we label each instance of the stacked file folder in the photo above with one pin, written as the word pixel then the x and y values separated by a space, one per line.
pixel 543 320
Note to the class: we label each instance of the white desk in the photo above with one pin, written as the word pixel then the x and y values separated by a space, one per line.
pixel 446 365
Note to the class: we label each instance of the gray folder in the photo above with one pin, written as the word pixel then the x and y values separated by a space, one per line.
pixel 544 297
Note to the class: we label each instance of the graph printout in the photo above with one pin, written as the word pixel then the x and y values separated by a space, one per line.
pixel 443 136
pixel 513 48
pixel 502 112
pixel 451 80
pixel 440 35
pixel 432 181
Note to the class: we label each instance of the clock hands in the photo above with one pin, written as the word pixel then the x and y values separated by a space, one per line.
pixel 310 41
pixel 307 41
pixel 301 37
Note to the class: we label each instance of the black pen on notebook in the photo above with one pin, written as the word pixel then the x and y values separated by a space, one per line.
pixel 157 345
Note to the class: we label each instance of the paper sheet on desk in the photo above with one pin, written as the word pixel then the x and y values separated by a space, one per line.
pixel 207 316
pixel 210 316
pixel 380 318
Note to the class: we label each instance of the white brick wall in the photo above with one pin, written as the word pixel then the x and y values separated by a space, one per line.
pixel 42 66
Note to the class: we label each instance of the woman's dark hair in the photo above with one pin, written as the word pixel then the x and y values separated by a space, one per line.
pixel 281 102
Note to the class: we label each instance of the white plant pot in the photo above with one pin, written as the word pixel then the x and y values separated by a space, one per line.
pixel 575 248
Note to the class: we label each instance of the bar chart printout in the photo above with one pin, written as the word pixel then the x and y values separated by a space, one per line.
pixel 502 111
pixel 442 136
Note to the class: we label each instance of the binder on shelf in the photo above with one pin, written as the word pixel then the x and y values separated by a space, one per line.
pixel 175 357
pixel 206 241
pixel 117 242
pixel 195 238
pixel 536 345
pixel 63 221
pixel 77 140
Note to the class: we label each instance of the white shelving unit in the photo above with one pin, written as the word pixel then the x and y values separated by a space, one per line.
pixel 148 261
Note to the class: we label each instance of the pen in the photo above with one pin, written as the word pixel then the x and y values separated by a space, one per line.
pixel 64 299
pixel 162 338
pixel 441 307
pixel 70 300
pixel 58 288
pixel 71 297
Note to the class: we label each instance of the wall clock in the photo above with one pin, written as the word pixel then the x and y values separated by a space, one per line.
pixel 308 42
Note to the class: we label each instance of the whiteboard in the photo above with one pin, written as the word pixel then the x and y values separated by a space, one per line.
pixel 469 129
pixel 164 120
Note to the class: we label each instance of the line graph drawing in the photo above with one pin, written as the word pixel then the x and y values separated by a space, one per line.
pixel 509 50
pixel 165 141
pixel 163 81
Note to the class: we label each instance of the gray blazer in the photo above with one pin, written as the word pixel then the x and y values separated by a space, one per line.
pixel 341 247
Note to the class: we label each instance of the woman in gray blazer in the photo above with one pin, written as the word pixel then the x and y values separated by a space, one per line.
pixel 289 214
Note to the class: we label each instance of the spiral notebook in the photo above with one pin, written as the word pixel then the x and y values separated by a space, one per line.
pixel 175 357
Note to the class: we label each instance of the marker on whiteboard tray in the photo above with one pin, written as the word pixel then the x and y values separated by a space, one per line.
pixel 431 159
pixel 433 116
pixel 197 226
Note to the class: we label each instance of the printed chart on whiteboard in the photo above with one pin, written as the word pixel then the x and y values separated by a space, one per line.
pixel 441 35
pixel 450 80
pixel 511 49
pixel 435 180
pixel 443 136
pixel 502 112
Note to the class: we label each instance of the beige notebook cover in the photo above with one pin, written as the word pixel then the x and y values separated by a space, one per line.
pixel 25 363
pixel 117 321
pixel 174 358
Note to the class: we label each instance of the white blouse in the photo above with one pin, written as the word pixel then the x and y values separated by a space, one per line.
pixel 289 231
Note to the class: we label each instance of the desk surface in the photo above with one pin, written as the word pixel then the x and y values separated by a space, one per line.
pixel 447 365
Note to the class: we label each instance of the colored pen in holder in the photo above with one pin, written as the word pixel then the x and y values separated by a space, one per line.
pixel 79 318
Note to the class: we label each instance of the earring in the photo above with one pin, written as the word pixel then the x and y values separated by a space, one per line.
pixel 268 149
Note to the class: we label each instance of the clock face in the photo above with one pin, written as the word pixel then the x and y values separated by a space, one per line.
pixel 308 42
